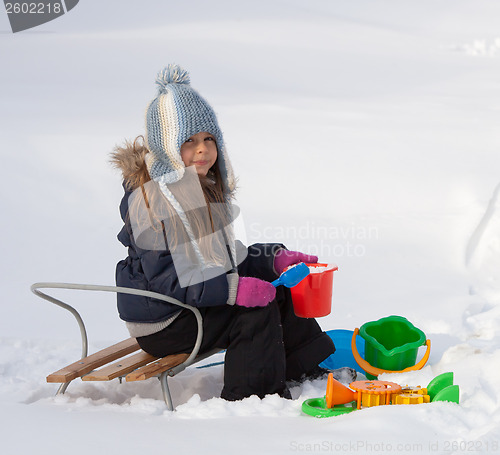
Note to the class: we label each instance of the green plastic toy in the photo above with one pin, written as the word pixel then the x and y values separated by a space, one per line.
pixel 316 407
pixel 441 388
pixel 391 345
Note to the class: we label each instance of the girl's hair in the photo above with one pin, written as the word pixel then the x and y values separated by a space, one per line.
pixel 130 158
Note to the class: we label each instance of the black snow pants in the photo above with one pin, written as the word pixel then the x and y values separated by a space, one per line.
pixel 265 346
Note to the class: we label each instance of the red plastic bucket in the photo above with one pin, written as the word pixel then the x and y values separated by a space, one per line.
pixel 312 297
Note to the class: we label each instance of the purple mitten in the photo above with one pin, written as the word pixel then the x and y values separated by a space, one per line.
pixel 285 258
pixel 253 292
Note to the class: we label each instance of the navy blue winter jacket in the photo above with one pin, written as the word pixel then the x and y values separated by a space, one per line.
pixel 154 270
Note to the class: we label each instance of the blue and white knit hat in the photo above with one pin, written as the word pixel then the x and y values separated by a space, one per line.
pixel 177 113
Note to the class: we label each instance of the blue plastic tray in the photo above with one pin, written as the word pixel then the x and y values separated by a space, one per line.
pixel 342 357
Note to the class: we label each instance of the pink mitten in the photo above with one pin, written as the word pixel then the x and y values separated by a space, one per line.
pixel 285 258
pixel 253 292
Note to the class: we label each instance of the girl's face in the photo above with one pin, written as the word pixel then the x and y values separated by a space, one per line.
pixel 199 150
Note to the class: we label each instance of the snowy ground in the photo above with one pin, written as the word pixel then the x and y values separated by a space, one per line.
pixel 363 131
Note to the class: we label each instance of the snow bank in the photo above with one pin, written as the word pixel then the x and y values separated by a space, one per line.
pixel 385 109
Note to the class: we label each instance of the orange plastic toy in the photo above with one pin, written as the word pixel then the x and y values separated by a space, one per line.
pixel 337 393
pixel 364 393
pixel 374 393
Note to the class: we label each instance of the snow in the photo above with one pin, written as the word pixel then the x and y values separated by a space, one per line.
pixel 364 132
pixel 322 269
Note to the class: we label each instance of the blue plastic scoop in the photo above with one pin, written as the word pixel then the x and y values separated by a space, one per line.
pixel 293 276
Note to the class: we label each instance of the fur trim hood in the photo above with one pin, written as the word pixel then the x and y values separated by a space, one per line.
pixel 130 160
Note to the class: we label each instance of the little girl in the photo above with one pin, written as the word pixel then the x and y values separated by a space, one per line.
pixel 177 211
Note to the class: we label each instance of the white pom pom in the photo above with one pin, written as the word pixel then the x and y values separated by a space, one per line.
pixel 171 74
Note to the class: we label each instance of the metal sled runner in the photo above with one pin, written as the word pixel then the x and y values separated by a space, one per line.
pixel 112 362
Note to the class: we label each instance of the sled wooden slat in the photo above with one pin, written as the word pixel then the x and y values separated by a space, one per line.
pixel 120 368
pixel 156 368
pixel 93 361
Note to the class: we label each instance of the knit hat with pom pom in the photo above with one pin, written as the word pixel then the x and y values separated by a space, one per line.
pixel 177 113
